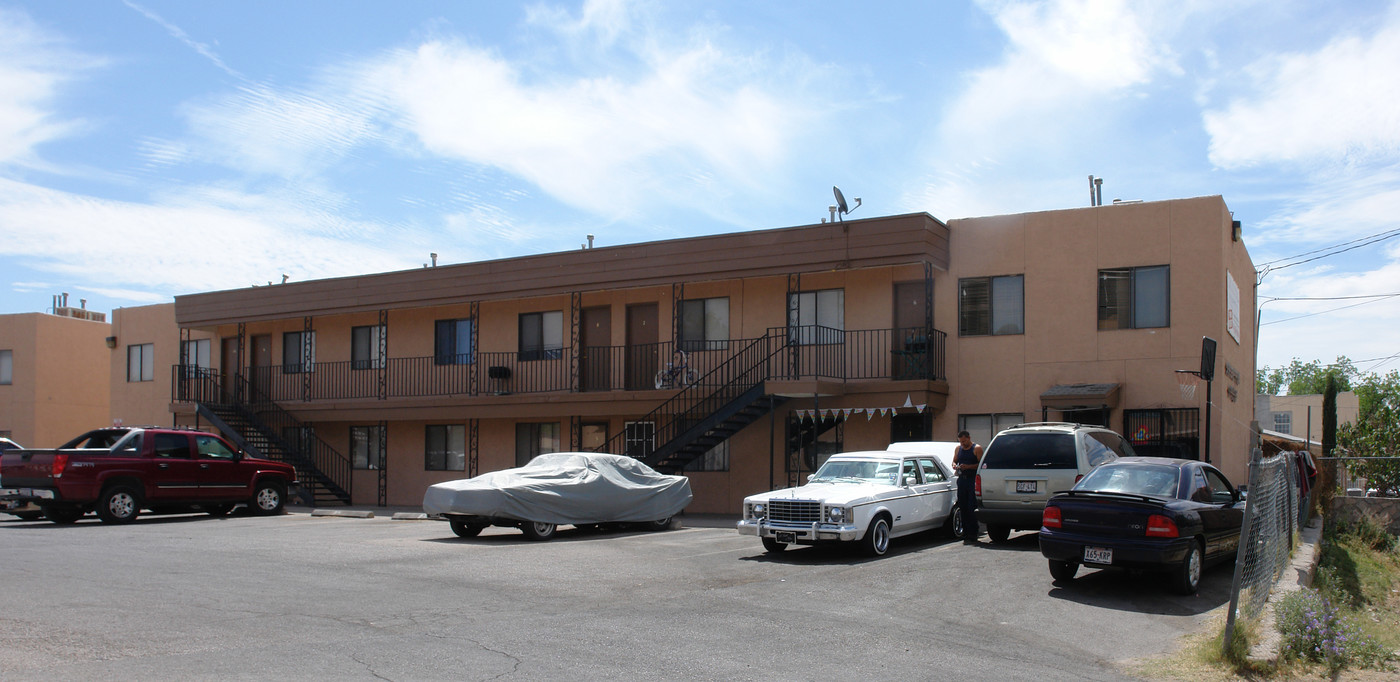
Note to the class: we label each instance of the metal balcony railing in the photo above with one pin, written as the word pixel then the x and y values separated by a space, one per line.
pixel 805 352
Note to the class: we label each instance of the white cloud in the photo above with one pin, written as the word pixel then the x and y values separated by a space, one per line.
pixel 1341 102
pixel 33 66
pixel 214 240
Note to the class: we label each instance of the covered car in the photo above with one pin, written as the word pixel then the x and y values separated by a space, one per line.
pixel 575 488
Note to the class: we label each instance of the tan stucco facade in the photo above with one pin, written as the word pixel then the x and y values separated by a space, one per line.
pixel 138 402
pixel 59 379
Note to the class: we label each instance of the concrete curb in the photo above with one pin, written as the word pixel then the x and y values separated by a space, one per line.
pixel 411 516
pixel 347 513
pixel 1299 574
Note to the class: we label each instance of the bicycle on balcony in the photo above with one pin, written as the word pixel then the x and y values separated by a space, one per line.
pixel 678 372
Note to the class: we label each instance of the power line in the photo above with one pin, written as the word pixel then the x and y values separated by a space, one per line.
pixel 1379 236
pixel 1381 297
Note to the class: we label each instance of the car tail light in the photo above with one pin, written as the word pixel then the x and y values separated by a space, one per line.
pixel 1159 526
pixel 977 485
pixel 1078 478
pixel 60 463
pixel 1050 518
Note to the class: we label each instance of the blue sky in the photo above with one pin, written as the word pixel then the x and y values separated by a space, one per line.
pixel 160 147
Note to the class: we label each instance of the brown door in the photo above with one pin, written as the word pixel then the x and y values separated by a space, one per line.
pixel 597 344
pixel 642 351
pixel 228 370
pixel 260 367
pixel 909 347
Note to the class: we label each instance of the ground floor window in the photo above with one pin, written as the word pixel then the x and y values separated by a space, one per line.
pixel 906 428
pixel 1164 433
pixel 365 450
pixel 535 439
pixel 639 439
pixel 592 436
pixel 445 447
pixel 984 427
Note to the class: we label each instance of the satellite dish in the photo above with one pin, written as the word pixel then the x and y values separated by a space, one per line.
pixel 841 201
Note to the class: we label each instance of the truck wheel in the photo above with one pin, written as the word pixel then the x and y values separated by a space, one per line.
pixel 877 538
pixel 118 504
pixel 62 515
pixel 538 531
pixel 268 498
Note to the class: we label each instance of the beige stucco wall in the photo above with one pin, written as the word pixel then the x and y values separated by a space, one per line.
pixel 1348 410
pixel 137 403
pixel 60 378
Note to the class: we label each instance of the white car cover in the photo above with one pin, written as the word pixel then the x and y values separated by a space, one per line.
pixel 565 488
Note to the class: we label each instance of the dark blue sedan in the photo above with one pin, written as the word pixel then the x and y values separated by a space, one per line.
pixel 1173 515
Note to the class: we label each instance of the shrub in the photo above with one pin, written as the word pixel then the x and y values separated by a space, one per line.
pixel 1313 630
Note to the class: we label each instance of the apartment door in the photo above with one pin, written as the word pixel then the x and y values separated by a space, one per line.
pixel 228 371
pixel 260 364
pixel 596 360
pixel 642 346
pixel 909 343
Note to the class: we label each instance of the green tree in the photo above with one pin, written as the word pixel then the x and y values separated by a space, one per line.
pixel 1308 378
pixel 1376 433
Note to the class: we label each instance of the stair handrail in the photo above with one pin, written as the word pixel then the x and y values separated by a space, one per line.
pixel 325 461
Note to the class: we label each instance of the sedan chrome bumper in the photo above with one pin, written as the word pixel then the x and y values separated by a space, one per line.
pixel 799 533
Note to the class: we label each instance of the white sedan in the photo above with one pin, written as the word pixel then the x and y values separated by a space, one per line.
pixel 865 498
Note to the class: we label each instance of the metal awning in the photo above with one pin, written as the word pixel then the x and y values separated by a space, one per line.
pixel 1066 397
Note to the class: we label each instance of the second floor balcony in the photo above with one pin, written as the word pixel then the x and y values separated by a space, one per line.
pixel 812 352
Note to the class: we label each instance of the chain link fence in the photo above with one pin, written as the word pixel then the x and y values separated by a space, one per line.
pixel 1266 539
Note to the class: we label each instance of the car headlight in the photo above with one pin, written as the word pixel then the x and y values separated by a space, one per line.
pixel 757 510
pixel 836 514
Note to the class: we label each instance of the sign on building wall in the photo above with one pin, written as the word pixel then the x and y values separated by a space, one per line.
pixel 1232 306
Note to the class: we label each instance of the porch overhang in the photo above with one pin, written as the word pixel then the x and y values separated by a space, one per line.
pixel 1071 397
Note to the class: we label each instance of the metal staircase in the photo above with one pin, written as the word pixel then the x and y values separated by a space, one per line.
pixel 709 411
pixel 259 425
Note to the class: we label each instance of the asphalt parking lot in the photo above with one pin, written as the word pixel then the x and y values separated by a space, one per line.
pixel 322 598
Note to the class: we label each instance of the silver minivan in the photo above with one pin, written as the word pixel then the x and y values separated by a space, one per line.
pixel 1026 464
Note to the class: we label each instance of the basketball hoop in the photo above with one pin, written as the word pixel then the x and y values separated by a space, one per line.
pixel 1186 381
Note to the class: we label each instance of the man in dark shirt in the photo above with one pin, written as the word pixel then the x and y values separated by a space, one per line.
pixel 965 460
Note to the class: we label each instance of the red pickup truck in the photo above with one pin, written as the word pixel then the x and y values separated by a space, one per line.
pixel 119 471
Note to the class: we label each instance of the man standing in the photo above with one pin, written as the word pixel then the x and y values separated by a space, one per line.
pixel 965 460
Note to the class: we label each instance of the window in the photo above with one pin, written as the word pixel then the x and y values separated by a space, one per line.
pixel 364 348
pixel 541 335
pixel 593 436
pixel 172 445
pixel 7 367
pixel 365 450
pixel 1134 298
pixel 705 324
pixel 990 306
pixel 715 459
pixel 1283 422
pixel 817 317
pixel 213 448
pixel 197 353
pixel 639 439
pixel 984 426
pixel 298 352
pixel 932 474
pixel 452 342
pixel 533 440
pixel 140 362
pixel 446 448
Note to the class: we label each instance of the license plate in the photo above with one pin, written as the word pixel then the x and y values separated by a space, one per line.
pixel 1025 486
pixel 788 538
pixel 1098 555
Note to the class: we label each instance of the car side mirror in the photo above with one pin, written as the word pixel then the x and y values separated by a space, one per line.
pixel 909 480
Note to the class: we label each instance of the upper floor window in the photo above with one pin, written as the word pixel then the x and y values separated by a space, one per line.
pixel 364 347
pixel 705 324
pixel 197 353
pixel 541 335
pixel 298 352
pixel 140 362
pixel 7 367
pixel 817 316
pixel 991 305
pixel 1134 298
pixel 452 342
pixel 1283 422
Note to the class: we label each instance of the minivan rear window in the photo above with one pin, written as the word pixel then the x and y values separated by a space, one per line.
pixel 1031 451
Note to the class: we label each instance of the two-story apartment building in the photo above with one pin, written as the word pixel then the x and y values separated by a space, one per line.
pixel 742 359
pixel 53 375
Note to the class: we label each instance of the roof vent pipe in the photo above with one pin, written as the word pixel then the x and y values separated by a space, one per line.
pixel 434 257
pixel 65 299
